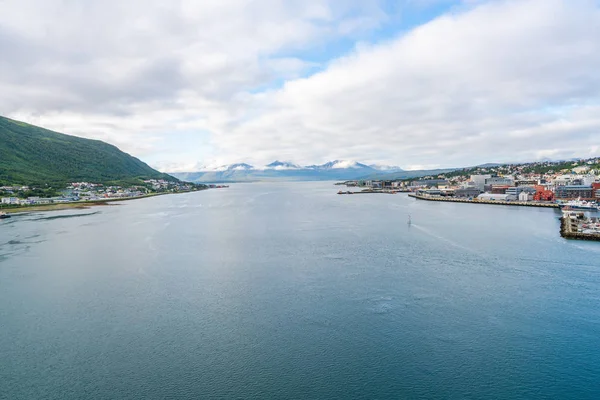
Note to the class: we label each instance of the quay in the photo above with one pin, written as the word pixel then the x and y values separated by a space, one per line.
pixel 494 202
pixel 371 191
pixel 571 224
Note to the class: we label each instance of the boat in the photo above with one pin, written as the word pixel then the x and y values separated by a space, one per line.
pixel 4 215
pixel 580 205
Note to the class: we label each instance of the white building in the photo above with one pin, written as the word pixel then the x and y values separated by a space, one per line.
pixel 496 197
pixel 479 181
pixel 10 200
pixel 525 196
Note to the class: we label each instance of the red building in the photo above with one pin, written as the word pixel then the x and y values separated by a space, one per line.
pixel 499 189
pixel 596 190
pixel 543 194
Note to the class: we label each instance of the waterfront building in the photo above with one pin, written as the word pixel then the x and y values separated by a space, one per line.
pixel 10 200
pixel 496 197
pixel 525 196
pixel 515 190
pixel 498 189
pixel 574 192
pixel 596 190
pixel 429 182
pixel 467 192
pixel 429 192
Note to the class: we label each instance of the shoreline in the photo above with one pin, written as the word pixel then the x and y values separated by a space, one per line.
pixel 492 202
pixel 82 205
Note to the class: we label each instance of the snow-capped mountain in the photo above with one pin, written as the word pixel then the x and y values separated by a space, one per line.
pixel 340 164
pixel 240 167
pixel 285 170
pixel 282 165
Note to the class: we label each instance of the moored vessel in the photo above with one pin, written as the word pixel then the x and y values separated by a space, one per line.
pixel 580 205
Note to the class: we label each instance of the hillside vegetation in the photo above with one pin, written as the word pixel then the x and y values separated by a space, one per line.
pixel 31 155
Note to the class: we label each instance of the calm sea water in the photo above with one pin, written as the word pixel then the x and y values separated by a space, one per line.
pixel 289 291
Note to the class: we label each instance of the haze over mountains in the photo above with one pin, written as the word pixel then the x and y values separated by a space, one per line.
pixel 286 170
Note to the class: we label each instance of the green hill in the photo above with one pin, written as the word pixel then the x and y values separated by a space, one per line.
pixel 32 155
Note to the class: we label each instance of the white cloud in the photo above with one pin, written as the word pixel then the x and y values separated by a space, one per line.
pixel 498 82
pixel 188 82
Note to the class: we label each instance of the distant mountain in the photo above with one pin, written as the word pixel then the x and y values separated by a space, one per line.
pixel 32 155
pixel 383 175
pixel 239 167
pixel 284 170
pixel 282 165
pixel 386 168
pixel 489 165
pixel 339 164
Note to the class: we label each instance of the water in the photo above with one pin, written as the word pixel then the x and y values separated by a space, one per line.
pixel 273 291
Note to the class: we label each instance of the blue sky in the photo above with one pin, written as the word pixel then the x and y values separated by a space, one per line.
pixel 414 83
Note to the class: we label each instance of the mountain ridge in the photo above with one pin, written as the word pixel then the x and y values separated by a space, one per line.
pixel 32 155
pixel 284 170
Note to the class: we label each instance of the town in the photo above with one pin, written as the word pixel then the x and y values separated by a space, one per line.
pixel 573 186
pixel 532 182
pixel 19 196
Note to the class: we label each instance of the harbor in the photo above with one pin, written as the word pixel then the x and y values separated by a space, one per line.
pixel 481 201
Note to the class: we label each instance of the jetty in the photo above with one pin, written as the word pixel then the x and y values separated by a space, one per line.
pixel 575 225
pixel 475 201
pixel 367 191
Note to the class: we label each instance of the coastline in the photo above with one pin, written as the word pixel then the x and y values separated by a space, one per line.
pixel 82 205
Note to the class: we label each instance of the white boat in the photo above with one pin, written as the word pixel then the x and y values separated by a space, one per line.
pixel 580 205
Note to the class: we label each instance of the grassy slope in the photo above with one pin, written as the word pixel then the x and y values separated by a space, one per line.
pixel 33 155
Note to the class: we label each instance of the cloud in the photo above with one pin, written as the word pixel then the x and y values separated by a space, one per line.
pixel 184 82
pixel 497 82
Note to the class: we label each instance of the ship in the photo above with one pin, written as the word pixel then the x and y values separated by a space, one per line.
pixel 580 205
pixel 4 215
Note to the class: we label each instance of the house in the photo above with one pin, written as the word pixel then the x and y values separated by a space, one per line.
pixel 525 196
pixel 9 200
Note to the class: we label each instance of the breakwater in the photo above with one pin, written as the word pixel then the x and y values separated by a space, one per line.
pixel 566 230
pixel 494 202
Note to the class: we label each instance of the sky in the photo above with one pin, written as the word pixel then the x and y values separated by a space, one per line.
pixel 183 84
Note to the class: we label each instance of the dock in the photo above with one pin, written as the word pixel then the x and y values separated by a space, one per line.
pixel 573 226
pixel 493 202
pixel 370 191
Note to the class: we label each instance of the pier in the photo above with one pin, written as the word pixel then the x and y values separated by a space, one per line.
pixel 371 191
pixel 571 224
pixel 494 202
